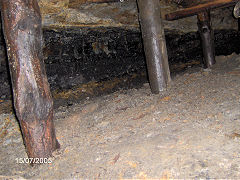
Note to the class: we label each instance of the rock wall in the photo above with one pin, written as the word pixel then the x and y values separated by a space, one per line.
pixel 4 75
pixel 79 13
pixel 85 42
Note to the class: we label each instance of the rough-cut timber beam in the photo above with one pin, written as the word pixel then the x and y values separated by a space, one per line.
pixel 154 44
pixel 207 38
pixel 199 8
pixel 32 99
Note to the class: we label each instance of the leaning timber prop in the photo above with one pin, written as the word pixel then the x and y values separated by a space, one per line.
pixel 154 44
pixel 32 98
pixel 202 10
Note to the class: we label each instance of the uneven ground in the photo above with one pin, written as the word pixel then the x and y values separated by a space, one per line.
pixel 190 131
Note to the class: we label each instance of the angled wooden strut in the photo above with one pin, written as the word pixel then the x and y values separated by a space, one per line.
pixel 32 98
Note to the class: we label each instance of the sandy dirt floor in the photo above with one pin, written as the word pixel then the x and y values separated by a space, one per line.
pixel 190 131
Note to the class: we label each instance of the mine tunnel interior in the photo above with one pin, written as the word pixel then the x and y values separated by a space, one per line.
pixel 95 42
pixel 103 120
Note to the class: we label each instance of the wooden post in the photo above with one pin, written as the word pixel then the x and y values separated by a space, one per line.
pixel 207 38
pixel 236 10
pixel 32 98
pixel 204 25
pixel 236 13
pixel 154 44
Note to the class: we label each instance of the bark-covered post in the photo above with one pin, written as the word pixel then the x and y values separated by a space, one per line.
pixel 154 44
pixel 32 98
pixel 207 38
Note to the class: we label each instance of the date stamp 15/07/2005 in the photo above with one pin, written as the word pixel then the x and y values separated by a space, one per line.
pixel 33 160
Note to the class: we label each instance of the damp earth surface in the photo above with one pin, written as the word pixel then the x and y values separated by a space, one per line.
pixel 192 130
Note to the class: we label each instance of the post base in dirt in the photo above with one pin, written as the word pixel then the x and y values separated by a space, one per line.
pixel 154 44
pixel 32 98
pixel 207 38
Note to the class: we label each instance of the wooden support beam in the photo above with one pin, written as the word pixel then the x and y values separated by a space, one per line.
pixel 199 8
pixel 154 44
pixel 207 38
pixel 236 11
pixel 32 98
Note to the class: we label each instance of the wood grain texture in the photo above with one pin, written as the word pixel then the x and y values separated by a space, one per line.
pixel 32 98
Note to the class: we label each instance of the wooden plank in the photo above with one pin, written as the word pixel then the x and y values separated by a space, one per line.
pixel 199 8
pixel 154 44
pixel 32 98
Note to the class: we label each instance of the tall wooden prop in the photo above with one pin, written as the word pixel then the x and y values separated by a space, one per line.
pixel 32 98
pixel 207 37
pixel 154 44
